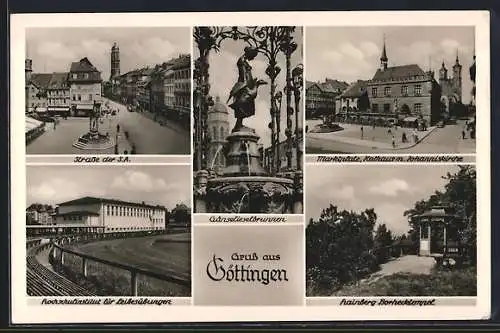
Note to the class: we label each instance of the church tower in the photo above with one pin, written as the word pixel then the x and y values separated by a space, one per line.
pixel 115 61
pixel 383 58
pixel 443 74
pixel 457 78
pixel 218 130
pixel 28 69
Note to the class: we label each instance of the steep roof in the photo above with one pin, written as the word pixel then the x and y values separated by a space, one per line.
pixel 58 81
pixel 41 80
pixel 355 89
pixel 84 65
pixel 398 72
pixel 95 200
pixel 309 84
pixel 334 85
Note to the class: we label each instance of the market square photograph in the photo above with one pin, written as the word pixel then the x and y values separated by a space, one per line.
pixel 408 89
pixel 108 91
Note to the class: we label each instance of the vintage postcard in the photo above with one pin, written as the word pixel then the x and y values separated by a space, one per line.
pixel 246 167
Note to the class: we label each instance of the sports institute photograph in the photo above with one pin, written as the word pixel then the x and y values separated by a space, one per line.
pixel 108 91
pixel 108 231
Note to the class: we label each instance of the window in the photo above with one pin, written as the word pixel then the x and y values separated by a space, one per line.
pixel 387 91
pixel 74 97
pixel 79 97
pixel 387 108
pixel 418 90
pixel 404 90
pixel 375 107
pixel 86 75
pixel 74 76
pixel 107 210
pixel 90 97
pixel 374 92
pixel 417 108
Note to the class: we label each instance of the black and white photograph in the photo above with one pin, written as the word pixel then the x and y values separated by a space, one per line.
pixel 108 231
pixel 399 89
pixel 385 230
pixel 108 91
pixel 248 116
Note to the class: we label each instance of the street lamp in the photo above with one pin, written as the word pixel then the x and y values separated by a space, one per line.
pixel 298 83
pixel 278 97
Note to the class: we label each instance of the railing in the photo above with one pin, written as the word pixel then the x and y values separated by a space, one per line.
pixel 134 271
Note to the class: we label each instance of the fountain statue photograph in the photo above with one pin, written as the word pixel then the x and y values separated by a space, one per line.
pixel 243 161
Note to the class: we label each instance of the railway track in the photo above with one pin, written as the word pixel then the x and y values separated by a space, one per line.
pixel 41 281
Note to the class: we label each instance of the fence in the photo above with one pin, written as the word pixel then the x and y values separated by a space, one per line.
pixel 59 254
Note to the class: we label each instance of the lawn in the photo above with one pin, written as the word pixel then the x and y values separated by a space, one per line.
pixel 459 282
pixel 156 254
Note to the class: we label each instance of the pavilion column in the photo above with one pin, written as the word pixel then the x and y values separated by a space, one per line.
pixel 430 237
pixel 444 236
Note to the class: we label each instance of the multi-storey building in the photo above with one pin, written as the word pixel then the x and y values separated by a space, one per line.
pixel 351 98
pixel 85 86
pixel 404 93
pixel 157 95
pixel 320 97
pixel 36 92
pixel 168 90
pixel 58 94
pixel 39 214
pixel 267 154
pixel 182 86
pixel 218 126
pixel 111 215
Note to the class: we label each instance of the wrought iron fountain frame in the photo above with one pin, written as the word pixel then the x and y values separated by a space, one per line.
pixel 269 41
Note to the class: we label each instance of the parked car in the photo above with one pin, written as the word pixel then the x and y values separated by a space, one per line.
pixel 440 124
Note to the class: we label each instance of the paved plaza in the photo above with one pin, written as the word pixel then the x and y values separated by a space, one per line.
pixel 378 140
pixel 149 137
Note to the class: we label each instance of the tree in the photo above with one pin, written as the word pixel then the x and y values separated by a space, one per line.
pixel 363 101
pixel 460 197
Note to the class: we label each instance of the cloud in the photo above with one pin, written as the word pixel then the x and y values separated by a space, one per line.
pixel 351 51
pixel 345 193
pixel 391 214
pixel 139 181
pixel 391 188
pixel 370 49
pixel 332 56
pixel 55 190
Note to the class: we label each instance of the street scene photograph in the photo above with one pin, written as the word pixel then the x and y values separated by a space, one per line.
pixel 381 230
pixel 408 89
pixel 248 120
pixel 108 231
pixel 108 91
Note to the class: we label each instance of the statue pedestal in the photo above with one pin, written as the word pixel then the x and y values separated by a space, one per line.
pixel 242 154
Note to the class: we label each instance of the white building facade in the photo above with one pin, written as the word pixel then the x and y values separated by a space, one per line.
pixel 110 215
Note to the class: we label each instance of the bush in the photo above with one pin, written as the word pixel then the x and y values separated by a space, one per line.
pixel 326 128
pixel 460 282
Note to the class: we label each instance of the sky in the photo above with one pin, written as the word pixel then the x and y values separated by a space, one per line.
pixel 165 185
pixel 352 53
pixel 224 73
pixel 389 190
pixel 54 49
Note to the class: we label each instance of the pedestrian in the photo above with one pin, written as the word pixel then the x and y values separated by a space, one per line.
pixel 361 132
pixel 118 128
pixel 307 128
pixel 125 152
pixel 463 134
pixel 393 142
pixel 54 125
pixel 403 137
pixel 389 131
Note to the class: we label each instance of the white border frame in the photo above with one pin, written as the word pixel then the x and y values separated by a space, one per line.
pixel 22 313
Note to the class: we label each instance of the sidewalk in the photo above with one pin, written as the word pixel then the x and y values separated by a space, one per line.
pixel 164 121
pixel 370 143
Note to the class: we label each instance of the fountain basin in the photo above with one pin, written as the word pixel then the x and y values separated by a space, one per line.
pixel 250 194
pixel 91 141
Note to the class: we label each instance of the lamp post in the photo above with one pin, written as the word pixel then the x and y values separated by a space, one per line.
pixel 298 83
pixel 276 136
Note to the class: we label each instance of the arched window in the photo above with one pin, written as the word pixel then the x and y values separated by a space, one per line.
pixel 214 129
pixel 222 136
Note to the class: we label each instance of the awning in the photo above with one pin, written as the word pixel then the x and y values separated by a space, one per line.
pixel 31 124
pixel 58 108
pixel 84 106
pixel 39 109
pixel 410 119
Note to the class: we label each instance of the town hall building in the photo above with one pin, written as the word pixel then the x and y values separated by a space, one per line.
pixel 404 93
